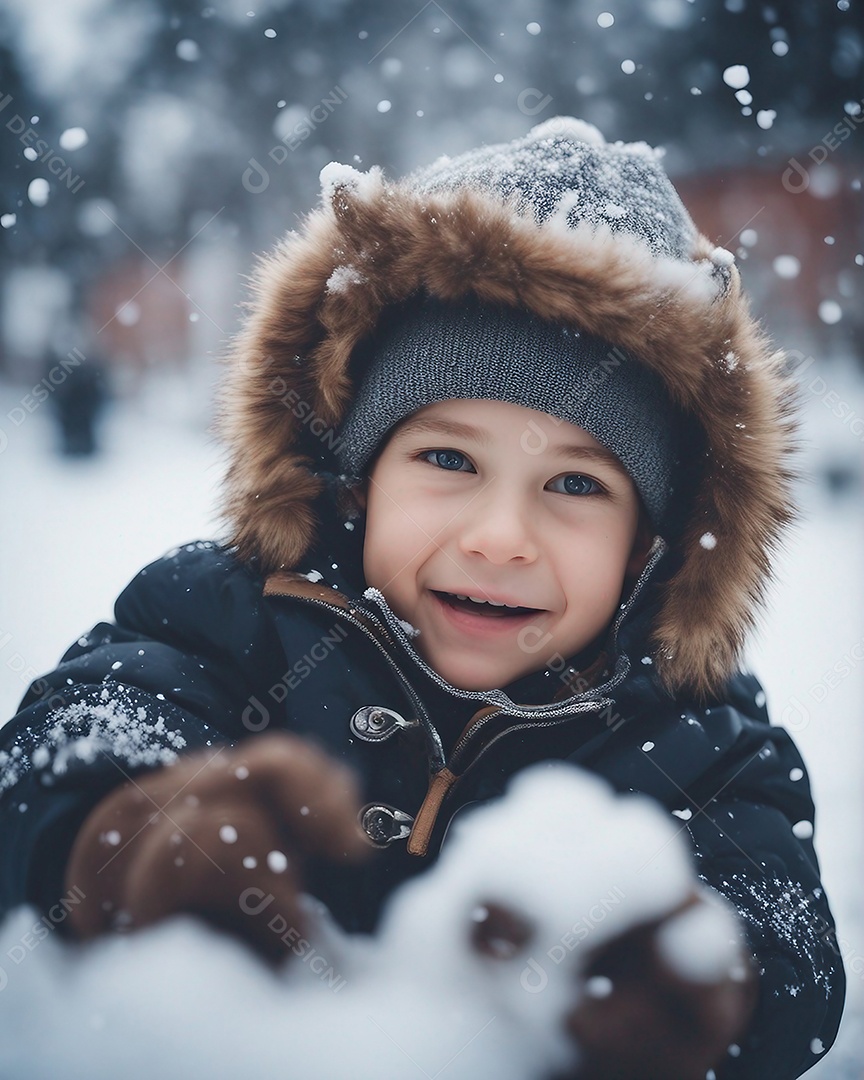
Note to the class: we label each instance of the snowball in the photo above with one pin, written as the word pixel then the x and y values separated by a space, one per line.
pixel 228 834
pixel 418 978
pixel 313 575
pixel 605 19
pixel 533 28
pixel 796 774
pixel 8 220
pixel 803 829
pixel 646 746
pixel 708 541
pixel 384 106
pixel 628 67
pixel 737 76
pixel 765 118
pixel 817 1046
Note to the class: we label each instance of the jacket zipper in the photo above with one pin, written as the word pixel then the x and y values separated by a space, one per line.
pixel 444 778
pixel 442 784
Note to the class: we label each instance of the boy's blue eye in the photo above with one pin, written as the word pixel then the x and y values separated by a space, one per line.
pixel 576 484
pixel 451 460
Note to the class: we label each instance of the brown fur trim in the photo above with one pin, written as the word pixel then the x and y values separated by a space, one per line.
pixel 294 351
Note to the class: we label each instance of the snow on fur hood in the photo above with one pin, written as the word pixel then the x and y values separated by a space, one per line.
pixel 600 240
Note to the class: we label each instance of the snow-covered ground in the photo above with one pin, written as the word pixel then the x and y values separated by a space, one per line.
pixel 73 533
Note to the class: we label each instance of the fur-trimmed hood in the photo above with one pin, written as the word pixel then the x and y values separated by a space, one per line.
pixel 373 243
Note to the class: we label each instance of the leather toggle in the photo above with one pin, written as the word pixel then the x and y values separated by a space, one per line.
pixel 383 824
pixel 374 723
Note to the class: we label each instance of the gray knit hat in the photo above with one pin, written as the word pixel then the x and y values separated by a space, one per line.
pixel 430 350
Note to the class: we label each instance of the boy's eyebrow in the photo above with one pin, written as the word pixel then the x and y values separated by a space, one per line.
pixel 458 430
pixel 443 427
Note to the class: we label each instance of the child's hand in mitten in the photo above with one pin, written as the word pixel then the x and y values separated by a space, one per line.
pixel 195 835
pixel 665 1000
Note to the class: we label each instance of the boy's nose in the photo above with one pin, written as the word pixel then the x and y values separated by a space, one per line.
pixel 498 529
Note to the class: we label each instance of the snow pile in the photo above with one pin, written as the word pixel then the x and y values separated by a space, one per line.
pixel 475 966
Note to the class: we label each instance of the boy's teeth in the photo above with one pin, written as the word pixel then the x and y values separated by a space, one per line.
pixel 494 603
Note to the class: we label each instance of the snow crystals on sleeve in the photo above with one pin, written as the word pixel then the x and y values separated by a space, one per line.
pixel 85 730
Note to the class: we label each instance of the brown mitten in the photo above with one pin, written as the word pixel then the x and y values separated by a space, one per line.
pixel 216 834
pixel 665 1000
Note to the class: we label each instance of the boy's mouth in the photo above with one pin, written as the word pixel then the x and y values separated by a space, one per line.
pixel 484 607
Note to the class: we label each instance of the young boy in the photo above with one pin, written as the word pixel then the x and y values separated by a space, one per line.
pixel 508 462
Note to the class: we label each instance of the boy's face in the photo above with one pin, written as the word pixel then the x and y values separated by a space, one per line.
pixel 496 501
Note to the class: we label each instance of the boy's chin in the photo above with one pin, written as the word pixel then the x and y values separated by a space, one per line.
pixel 472 676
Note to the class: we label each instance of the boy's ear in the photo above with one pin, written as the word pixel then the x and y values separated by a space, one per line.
pixel 641 547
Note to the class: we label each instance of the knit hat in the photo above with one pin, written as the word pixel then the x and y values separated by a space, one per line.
pixel 430 350
pixel 562 170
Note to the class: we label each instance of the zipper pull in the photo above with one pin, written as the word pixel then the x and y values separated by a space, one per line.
pixel 421 831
